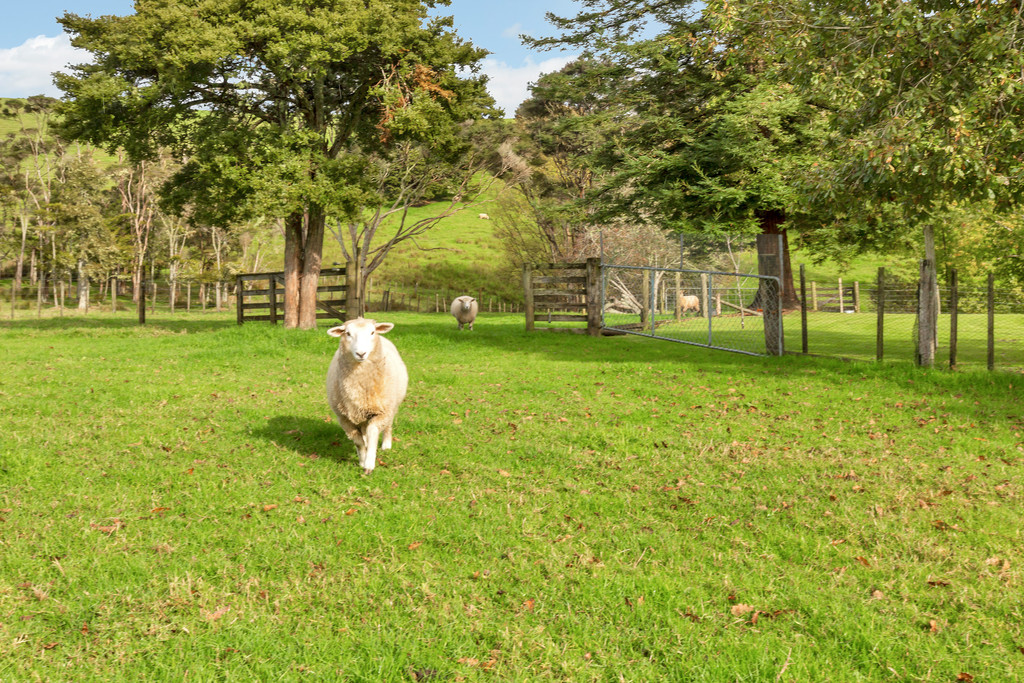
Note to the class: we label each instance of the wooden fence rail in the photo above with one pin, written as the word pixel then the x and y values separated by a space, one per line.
pixel 332 307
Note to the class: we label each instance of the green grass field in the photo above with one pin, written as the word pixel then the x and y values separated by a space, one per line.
pixel 176 503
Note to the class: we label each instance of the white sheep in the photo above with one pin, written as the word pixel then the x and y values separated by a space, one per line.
pixel 465 309
pixel 689 303
pixel 366 383
pixel 484 217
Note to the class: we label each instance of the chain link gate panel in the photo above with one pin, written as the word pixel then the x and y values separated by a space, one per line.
pixel 727 311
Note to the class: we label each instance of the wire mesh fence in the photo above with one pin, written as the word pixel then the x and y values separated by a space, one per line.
pixel 875 321
pixel 707 308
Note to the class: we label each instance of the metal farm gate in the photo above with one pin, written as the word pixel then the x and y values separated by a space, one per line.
pixel 737 312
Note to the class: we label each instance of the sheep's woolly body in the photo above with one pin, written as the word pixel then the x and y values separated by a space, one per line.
pixel 360 391
pixel 365 395
pixel 465 309
pixel 689 303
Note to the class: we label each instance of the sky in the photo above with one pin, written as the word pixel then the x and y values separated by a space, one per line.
pixel 33 45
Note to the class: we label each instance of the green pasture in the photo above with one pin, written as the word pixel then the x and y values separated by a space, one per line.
pixel 176 503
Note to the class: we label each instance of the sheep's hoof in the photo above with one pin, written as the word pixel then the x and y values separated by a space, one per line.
pixel 367 472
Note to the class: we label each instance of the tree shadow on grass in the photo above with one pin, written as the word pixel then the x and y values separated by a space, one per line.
pixel 309 437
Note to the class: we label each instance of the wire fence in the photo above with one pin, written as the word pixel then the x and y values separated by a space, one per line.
pixel 977 327
pixel 112 295
pixel 62 297
pixel 706 308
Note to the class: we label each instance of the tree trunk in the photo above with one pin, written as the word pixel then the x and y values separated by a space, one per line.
pixel 293 256
pixel 311 262
pixel 770 222
pixel 83 287
pixel 929 289
pixel 173 292
pixel 20 265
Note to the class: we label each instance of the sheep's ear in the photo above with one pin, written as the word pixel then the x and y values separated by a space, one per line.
pixel 384 328
pixel 336 331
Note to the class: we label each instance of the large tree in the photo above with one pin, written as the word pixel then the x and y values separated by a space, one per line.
pixel 275 105
pixel 698 140
pixel 560 128
pixel 926 99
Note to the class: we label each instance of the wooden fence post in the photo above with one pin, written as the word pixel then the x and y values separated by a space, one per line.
pixel 814 295
pixel 926 315
pixel 272 297
pixel 528 295
pixel 954 301
pixel 594 297
pixel 856 296
pixel 991 322
pixel 679 303
pixel 240 304
pixel 879 337
pixel 352 293
pixel 803 310
pixel 705 297
pixel 842 302
pixel 645 299
pixel 142 302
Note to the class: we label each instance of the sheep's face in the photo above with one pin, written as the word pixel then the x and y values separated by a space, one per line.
pixel 467 302
pixel 358 337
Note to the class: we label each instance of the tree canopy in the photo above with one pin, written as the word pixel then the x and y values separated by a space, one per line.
pixel 273 106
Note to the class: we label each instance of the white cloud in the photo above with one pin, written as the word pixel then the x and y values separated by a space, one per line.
pixel 509 85
pixel 27 69
pixel 513 31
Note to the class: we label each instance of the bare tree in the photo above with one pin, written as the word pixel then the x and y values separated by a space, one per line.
pixel 408 177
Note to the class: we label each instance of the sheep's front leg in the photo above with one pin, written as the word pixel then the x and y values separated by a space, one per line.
pixel 385 434
pixel 370 440
pixel 355 435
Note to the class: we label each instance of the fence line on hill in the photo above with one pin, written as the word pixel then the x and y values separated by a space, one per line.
pixel 192 295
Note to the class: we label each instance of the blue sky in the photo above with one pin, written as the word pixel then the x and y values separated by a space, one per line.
pixel 32 45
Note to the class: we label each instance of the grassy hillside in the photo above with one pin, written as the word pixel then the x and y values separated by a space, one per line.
pixel 13 126
pixel 460 255
pixel 177 503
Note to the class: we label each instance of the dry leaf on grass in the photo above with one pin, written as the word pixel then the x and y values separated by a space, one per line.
pixel 216 614
pixel 740 609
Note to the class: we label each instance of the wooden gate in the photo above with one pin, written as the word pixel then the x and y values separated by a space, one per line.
pixel 564 292
pixel 266 299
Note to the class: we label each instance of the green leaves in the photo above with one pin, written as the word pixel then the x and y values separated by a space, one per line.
pixel 264 98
